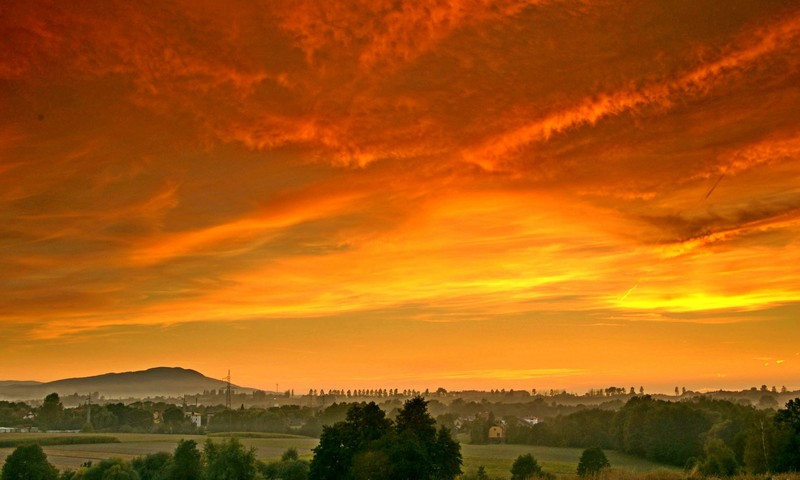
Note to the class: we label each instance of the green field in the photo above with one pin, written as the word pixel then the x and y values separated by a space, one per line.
pixel 497 459
pixel 268 447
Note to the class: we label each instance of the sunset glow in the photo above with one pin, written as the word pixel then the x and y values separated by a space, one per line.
pixel 461 193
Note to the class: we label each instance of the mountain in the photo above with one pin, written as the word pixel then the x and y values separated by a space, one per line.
pixel 159 381
pixel 3 383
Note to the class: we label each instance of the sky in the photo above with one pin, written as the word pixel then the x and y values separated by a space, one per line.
pixel 472 194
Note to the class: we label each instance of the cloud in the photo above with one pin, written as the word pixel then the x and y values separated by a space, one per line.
pixel 700 80
pixel 422 173
pixel 383 33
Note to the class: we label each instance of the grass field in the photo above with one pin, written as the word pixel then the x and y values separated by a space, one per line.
pixel 268 447
pixel 497 459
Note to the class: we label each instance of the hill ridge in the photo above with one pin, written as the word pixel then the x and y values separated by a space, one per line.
pixel 160 381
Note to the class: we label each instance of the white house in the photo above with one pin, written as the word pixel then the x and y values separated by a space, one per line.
pixel 531 420
pixel 195 418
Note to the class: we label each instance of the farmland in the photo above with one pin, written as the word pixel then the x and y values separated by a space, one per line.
pixel 496 459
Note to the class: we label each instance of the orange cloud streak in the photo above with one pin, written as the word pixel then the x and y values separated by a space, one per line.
pixel 493 153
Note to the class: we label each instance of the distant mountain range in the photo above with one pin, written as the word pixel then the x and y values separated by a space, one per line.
pixel 154 382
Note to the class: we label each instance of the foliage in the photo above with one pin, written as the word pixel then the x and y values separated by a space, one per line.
pixel 28 462
pixel 13 414
pixel 479 429
pixel 592 462
pixel 719 460
pixel 525 467
pixel 368 445
pixel 153 466
pixel 108 469
pixel 186 462
pixel 50 413
pixel 290 467
pixel 787 426
pixel 229 460
pixel 481 475
pixel 759 444
pixel 285 470
pixel 662 431
pixel 289 455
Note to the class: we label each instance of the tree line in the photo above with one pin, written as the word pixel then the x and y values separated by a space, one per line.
pixel 713 437
pixel 216 461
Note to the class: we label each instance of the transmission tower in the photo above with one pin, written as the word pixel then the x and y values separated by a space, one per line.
pixel 228 391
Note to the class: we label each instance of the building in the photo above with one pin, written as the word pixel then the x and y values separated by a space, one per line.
pixel 195 418
pixel 530 420
pixel 497 434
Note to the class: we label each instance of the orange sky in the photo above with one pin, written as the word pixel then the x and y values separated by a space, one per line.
pixel 466 193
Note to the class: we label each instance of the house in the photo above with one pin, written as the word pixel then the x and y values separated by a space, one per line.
pixel 530 420
pixel 195 418
pixel 497 434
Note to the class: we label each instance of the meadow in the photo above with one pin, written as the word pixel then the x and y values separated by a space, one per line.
pixel 496 459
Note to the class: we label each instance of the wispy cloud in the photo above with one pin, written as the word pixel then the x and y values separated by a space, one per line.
pixel 700 80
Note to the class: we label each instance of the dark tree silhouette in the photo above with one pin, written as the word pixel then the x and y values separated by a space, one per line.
pixel 50 412
pixel 592 462
pixel 367 445
pixel 525 467
pixel 229 460
pixel 28 462
pixel 186 462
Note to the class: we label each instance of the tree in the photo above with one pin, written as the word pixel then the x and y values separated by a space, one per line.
pixel 481 475
pixel 173 417
pixel 446 456
pixel 50 412
pixel 759 444
pixel 333 456
pixel 107 469
pixel 787 426
pixel 186 462
pixel 367 445
pixel 339 443
pixel 719 460
pixel 767 401
pixel 120 471
pixel 422 451
pixel 290 467
pixel 28 462
pixel 414 417
pixel 592 462
pixel 525 467
pixel 289 455
pixel 153 466
pixel 229 460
